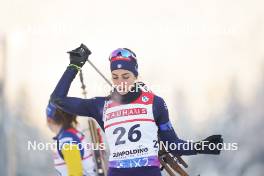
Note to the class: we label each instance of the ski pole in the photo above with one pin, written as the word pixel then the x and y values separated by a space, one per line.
pixel 83 85
pixel 100 73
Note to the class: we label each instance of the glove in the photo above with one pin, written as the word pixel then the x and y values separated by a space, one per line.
pixel 79 55
pixel 211 145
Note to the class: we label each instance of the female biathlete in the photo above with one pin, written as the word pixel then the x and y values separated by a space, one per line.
pixel 133 119
pixel 72 156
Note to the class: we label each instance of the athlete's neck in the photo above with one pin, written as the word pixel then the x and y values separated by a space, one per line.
pixel 129 97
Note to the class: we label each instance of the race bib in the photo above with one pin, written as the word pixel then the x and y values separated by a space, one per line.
pixel 132 133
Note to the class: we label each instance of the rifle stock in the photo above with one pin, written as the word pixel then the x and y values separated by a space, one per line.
pixel 171 163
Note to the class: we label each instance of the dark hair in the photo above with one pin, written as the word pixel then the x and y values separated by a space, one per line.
pixel 65 119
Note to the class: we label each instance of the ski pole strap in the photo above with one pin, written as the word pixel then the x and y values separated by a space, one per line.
pixel 75 66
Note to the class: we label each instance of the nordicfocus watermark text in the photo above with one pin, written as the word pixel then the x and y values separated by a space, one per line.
pixel 199 146
pixel 34 145
pixel 42 146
